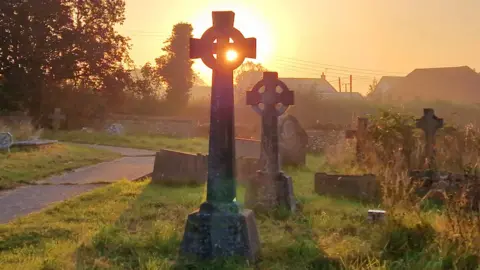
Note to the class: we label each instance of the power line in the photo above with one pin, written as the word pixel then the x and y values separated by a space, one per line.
pixel 337 70
pixel 345 67
pixel 318 71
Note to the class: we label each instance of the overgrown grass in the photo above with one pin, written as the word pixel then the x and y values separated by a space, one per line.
pixel 150 142
pixel 140 226
pixel 26 166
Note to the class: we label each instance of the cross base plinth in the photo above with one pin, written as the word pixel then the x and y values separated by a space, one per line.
pixel 265 193
pixel 220 234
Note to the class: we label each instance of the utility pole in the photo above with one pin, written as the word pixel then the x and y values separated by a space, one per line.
pixel 339 84
pixel 351 83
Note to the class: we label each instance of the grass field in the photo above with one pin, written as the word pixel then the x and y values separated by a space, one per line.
pixel 27 166
pixel 140 226
pixel 195 145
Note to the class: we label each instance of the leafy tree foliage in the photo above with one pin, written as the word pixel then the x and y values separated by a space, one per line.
pixel 49 43
pixel 246 76
pixel 175 67
pixel 372 86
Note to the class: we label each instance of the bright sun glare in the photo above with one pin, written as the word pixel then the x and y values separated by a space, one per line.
pixel 231 55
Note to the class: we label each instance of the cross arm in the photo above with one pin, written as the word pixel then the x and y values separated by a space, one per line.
pixel 199 48
pixel 253 98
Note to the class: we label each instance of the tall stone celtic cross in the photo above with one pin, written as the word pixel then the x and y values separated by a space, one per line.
pixel 429 123
pixel 270 113
pixel 360 134
pixel 56 118
pixel 221 185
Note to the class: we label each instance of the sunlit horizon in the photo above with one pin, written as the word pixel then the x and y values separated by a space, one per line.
pixel 365 39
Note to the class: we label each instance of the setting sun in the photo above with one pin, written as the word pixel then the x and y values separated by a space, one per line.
pixel 231 55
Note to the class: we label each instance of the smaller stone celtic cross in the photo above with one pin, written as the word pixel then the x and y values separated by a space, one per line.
pixel 429 123
pixel 57 117
pixel 6 141
pixel 360 134
pixel 270 113
pixel 280 190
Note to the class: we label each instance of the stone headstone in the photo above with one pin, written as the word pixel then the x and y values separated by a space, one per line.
pixel 272 188
pixel 360 134
pixel 357 187
pixel 179 168
pixel 429 123
pixel 6 141
pixel 219 228
pixel 293 142
pixel 116 129
pixel 57 117
pixel 376 215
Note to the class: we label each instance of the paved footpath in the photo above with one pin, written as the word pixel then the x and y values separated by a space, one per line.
pixel 133 165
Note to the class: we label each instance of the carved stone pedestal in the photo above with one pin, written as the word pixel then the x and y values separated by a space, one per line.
pixel 213 233
pixel 266 193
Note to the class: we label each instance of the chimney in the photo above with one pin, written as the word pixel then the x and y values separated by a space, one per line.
pixel 323 76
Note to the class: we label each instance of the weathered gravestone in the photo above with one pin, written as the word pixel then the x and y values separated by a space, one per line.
pixel 174 167
pixel 272 188
pixel 293 142
pixel 116 129
pixel 357 187
pixel 6 141
pixel 360 134
pixel 429 123
pixel 57 117
pixel 219 228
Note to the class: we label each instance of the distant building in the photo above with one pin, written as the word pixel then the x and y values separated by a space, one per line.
pixel 457 84
pixel 381 91
pixel 317 85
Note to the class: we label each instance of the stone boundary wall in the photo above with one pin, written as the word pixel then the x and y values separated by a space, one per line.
pixel 15 119
pixel 168 126
pixel 319 140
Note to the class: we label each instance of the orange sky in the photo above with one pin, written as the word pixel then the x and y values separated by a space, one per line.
pixel 304 38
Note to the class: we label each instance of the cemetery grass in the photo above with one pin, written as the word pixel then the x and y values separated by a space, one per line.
pixel 26 166
pixel 148 142
pixel 138 225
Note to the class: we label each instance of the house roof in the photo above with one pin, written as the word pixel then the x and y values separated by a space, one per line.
pixel 342 95
pixel 385 84
pixel 460 84
pixel 320 85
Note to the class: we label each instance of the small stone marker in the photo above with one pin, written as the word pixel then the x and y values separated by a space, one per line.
pixel 116 129
pixel 293 142
pixel 57 117
pixel 219 228
pixel 376 215
pixel 361 135
pixel 429 123
pixel 274 188
pixel 6 141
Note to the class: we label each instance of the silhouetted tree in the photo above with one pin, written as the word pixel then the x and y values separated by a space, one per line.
pixel 146 83
pixel 44 44
pixel 372 86
pixel 246 76
pixel 175 67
